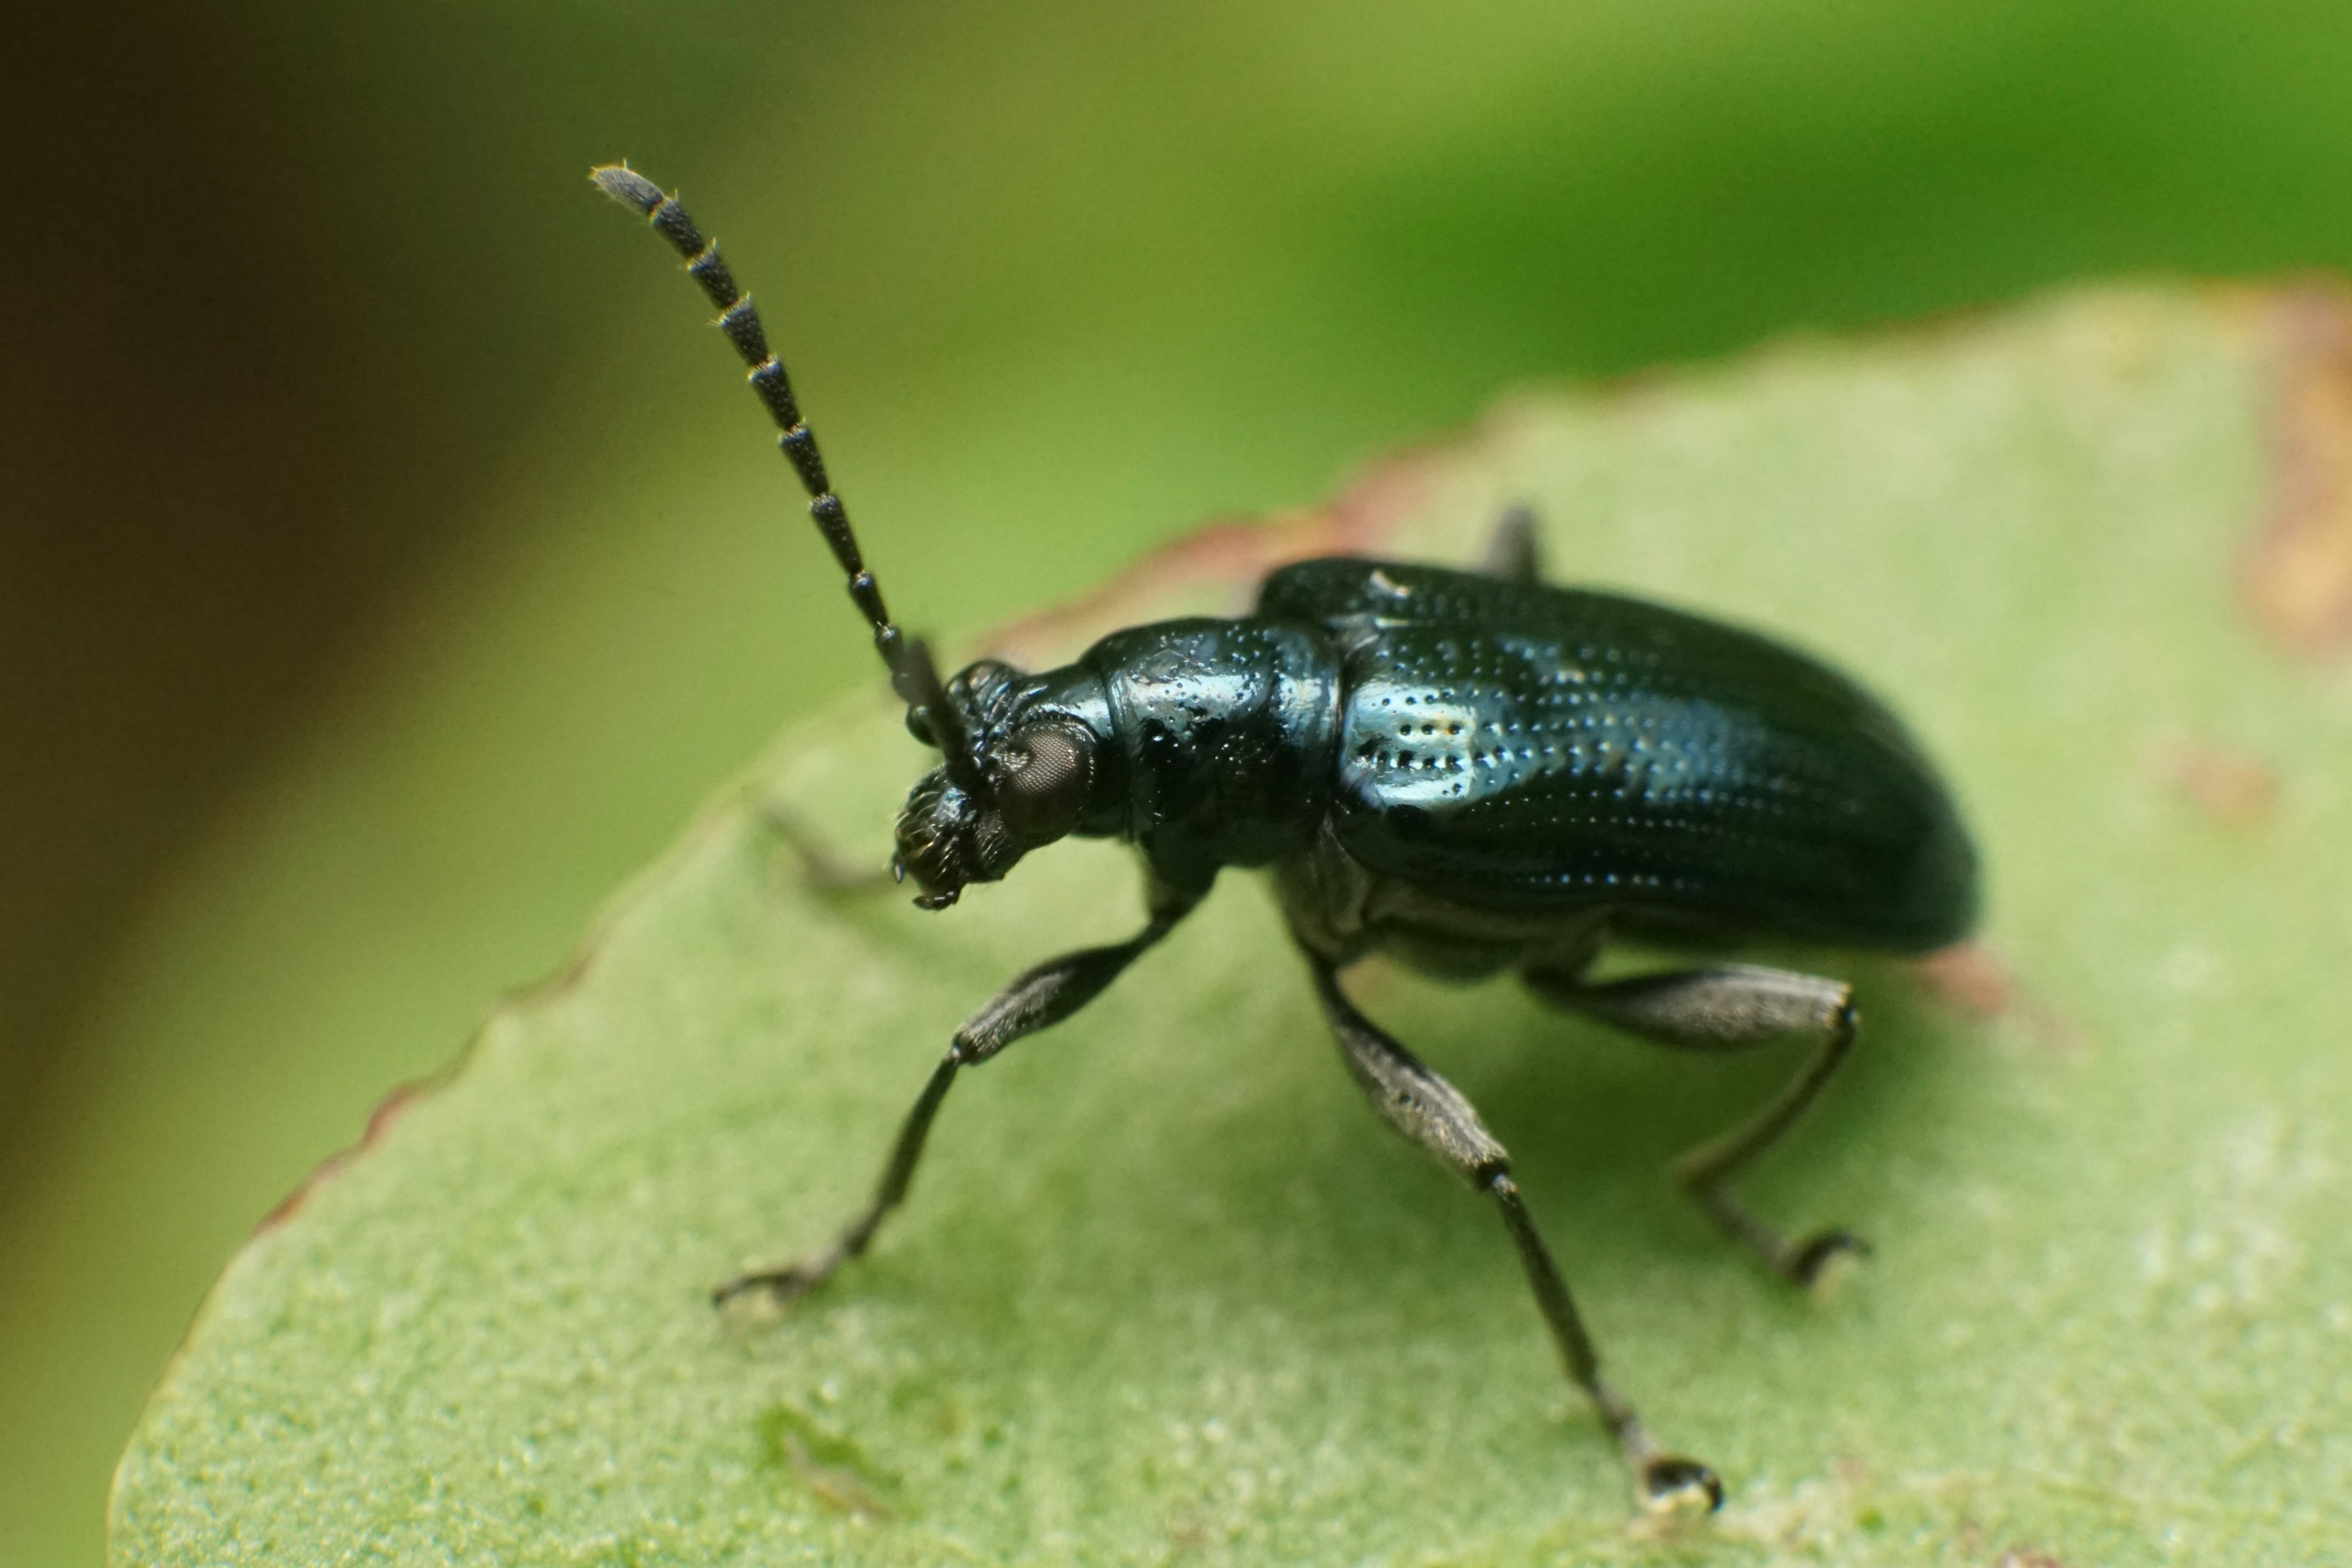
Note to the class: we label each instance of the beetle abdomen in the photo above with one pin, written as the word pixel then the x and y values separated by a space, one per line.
pixel 1520 747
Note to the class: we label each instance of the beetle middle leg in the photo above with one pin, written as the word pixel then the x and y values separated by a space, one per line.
pixel 1434 1114
pixel 1733 1008
pixel 1038 999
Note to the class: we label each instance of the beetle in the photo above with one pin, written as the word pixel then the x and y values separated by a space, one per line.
pixel 1472 771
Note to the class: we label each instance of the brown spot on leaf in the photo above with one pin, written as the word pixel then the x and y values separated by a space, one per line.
pixel 2231 788
pixel 1970 978
pixel 835 1486
pixel 1967 977
pixel 1188 1533
pixel 831 1466
pixel 2298 577
pixel 2029 1557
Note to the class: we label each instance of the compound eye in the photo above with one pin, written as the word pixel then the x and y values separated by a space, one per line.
pixel 1042 789
pixel 918 724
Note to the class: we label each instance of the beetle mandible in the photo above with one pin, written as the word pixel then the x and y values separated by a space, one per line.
pixel 1473 771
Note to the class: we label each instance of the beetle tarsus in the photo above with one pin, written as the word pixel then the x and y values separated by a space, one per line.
pixel 1808 1257
pixel 789 1283
pixel 1672 1484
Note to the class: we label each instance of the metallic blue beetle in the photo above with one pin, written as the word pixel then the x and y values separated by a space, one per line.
pixel 1472 771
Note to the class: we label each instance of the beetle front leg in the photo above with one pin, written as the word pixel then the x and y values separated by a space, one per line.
pixel 1733 1008
pixel 1513 551
pixel 1038 999
pixel 1434 1114
pixel 822 866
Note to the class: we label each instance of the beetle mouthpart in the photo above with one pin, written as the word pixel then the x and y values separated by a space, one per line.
pixel 933 831
pixel 947 838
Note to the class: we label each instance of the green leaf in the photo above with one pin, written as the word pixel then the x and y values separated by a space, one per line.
pixel 1165 1290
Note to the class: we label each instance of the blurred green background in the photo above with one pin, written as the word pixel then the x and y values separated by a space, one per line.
pixel 390 564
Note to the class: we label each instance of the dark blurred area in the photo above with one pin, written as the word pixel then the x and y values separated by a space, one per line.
pixel 171 436
pixel 241 390
pixel 299 303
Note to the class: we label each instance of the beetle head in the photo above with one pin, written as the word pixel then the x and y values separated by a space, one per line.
pixel 1024 783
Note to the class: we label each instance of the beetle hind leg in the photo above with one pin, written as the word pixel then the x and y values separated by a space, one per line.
pixel 1434 1114
pixel 1728 1008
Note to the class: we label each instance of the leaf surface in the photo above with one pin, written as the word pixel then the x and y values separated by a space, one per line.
pixel 1165 1290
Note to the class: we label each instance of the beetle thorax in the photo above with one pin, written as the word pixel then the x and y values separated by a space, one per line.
pixel 1225 732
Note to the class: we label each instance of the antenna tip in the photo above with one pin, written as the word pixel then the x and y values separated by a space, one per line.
pixel 626 186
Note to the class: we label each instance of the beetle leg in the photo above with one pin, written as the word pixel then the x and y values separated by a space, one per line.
pixel 1434 1114
pixel 1733 1008
pixel 826 870
pixel 1512 551
pixel 1036 1000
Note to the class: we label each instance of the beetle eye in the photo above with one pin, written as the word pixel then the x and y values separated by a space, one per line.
pixel 918 724
pixel 1044 781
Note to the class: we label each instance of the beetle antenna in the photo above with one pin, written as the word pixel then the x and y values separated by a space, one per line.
pixel 912 674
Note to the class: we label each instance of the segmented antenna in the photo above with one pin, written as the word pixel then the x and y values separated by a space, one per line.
pixel 912 674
